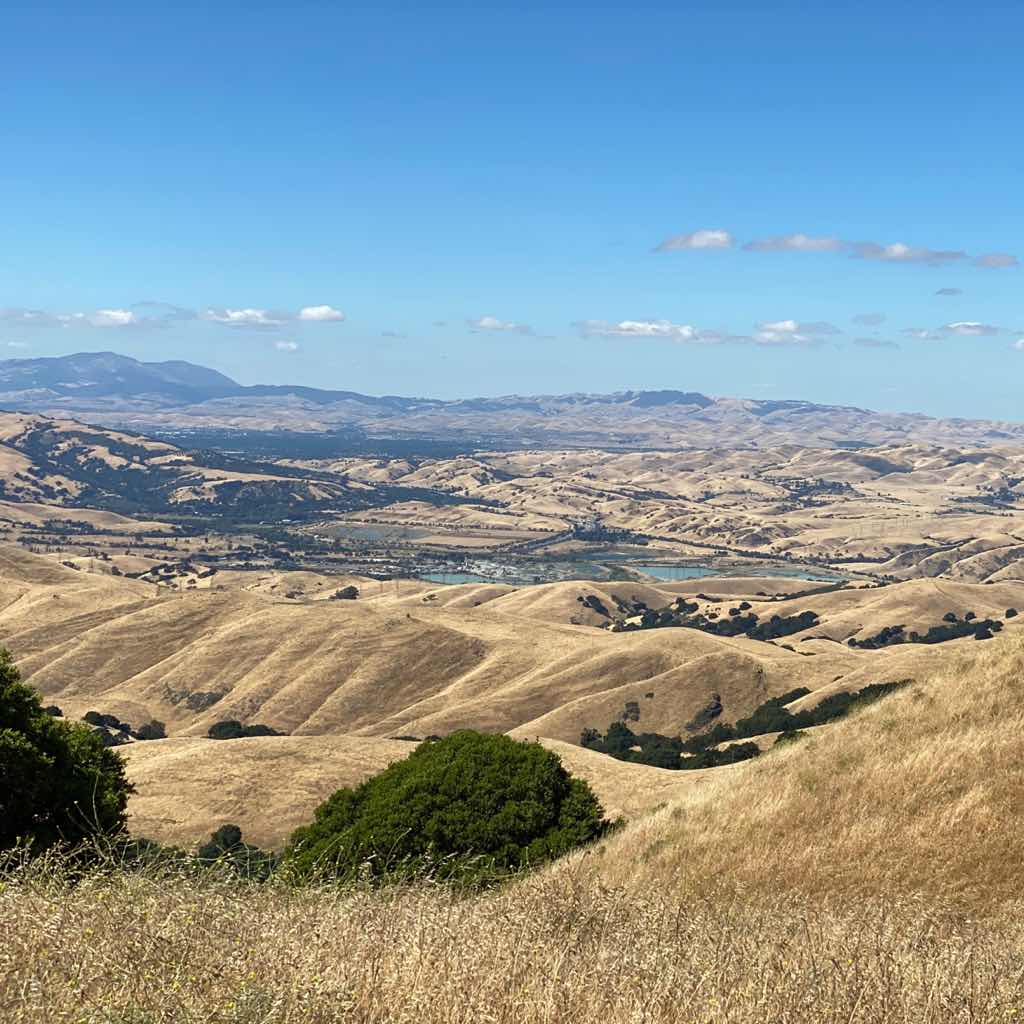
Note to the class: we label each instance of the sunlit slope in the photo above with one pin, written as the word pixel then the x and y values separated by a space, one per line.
pixel 921 793
pixel 187 787
pixel 500 661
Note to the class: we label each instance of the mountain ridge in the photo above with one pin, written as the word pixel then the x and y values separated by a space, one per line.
pixel 115 390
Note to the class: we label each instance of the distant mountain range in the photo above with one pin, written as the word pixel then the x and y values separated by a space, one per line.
pixel 116 390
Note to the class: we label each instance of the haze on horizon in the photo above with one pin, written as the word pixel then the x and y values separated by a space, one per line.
pixel 730 199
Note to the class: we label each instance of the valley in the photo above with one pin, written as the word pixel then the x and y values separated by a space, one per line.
pixel 346 606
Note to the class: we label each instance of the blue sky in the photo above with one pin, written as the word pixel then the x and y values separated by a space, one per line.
pixel 744 199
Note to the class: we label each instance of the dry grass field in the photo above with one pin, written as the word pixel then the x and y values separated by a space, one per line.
pixel 920 794
pixel 344 679
pixel 551 950
pixel 871 874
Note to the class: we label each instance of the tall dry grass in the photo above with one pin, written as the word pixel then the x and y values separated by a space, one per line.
pixel 558 949
pixel 921 793
pixel 870 874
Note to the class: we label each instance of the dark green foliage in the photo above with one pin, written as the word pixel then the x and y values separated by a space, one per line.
pixel 777 626
pixel 232 729
pixel 706 715
pixel 346 594
pixel 58 783
pixel 52 709
pixel 151 731
pixel 1011 613
pixel 883 638
pixel 226 849
pixel 720 732
pixel 771 716
pixel 952 628
pixel 594 603
pixel 682 613
pixel 617 741
pixel 714 758
pixel 467 808
pixel 790 736
pixel 110 721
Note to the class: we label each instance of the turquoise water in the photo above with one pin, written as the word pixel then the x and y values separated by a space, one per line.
pixel 454 577
pixel 666 573
pixel 691 572
pixel 673 572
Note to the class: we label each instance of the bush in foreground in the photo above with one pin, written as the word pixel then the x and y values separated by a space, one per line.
pixel 58 782
pixel 468 808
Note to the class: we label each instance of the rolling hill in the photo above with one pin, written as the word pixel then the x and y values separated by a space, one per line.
pixel 346 680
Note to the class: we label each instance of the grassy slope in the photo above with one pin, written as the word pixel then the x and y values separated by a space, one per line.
pixel 920 793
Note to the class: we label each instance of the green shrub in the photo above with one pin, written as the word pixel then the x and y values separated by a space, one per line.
pixel 226 848
pixel 470 808
pixel 232 729
pixel 58 783
pixel 152 731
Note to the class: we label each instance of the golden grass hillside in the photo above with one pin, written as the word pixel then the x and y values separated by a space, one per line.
pixel 919 794
pixel 344 678
pixel 552 950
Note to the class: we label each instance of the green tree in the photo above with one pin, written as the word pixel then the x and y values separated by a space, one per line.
pixel 470 807
pixel 58 783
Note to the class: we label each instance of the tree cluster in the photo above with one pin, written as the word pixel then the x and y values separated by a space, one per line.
pixel 702 751
pixel 58 782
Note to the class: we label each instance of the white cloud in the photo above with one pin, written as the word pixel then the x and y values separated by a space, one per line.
pixel 899 252
pixel 792 332
pixel 705 238
pixel 321 314
pixel 492 323
pixel 666 330
pixel 795 243
pixel 113 318
pixel 950 291
pixel 18 344
pixel 162 314
pixel 921 334
pixel 996 260
pixel 1019 345
pixel 971 328
pixel 286 346
pixel 260 318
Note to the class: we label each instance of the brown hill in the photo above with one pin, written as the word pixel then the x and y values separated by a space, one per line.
pixel 918 794
pixel 350 676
